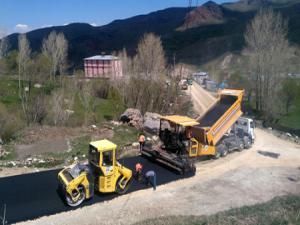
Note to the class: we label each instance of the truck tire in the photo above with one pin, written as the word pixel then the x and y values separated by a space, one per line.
pixel 241 145
pixel 247 142
pixel 219 150
pixel 224 150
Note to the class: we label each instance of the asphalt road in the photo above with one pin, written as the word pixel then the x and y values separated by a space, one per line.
pixel 34 195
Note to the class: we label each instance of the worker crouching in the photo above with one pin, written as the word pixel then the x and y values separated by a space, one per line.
pixel 151 179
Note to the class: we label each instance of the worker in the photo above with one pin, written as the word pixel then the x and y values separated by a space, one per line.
pixel 151 179
pixel 138 170
pixel 189 133
pixel 141 141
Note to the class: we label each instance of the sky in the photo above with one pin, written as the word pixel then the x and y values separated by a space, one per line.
pixel 25 15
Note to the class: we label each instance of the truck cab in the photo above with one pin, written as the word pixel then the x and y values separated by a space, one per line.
pixel 247 126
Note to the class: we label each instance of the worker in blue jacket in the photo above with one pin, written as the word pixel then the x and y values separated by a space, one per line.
pixel 151 178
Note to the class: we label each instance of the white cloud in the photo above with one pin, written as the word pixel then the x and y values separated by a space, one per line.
pixel 21 28
pixel 94 24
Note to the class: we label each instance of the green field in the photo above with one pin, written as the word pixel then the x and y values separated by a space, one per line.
pixel 292 120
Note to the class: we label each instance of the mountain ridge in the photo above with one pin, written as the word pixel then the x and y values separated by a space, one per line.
pixel 198 44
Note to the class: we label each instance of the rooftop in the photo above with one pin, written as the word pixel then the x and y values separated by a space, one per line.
pixel 103 145
pixel 102 57
pixel 181 120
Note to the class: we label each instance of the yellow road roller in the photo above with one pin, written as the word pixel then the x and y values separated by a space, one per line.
pixel 103 173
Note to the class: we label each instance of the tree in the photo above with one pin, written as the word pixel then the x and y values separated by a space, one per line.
pixel 38 68
pixel 55 48
pixel 150 57
pixel 289 92
pixel 4 46
pixel 145 86
pixel 62 45
pixel 23 59
pixel 269 52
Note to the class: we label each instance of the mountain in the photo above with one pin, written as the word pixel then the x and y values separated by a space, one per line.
pixel 192 35
pixel 208 13
pixel 250 5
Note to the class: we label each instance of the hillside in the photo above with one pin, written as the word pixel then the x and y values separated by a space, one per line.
pixel 213 30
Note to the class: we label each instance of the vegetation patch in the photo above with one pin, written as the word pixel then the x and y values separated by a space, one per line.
pixel 280 210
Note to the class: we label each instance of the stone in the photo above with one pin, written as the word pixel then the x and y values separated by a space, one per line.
pixel 12 163
pixel 152 122
pixel 270 128
pixel 135 144
pixel 115 123
pixel 133 117
pixel 155 138
pixel 69 112
pixel 37 85
pixel 288 134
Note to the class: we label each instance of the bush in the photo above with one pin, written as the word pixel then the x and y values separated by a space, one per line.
pixel 9 124
pixel 101 88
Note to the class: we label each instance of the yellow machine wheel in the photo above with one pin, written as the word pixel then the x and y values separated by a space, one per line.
pixel 78 197
pixel 119 189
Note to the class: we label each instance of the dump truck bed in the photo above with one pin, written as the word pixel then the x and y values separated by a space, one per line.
pixel 214 114
pixel 221 116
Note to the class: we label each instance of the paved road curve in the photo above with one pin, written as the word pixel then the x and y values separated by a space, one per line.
pixel 34 195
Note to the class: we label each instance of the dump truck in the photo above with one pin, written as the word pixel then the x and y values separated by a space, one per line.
pixel 216 133
pixel 103 173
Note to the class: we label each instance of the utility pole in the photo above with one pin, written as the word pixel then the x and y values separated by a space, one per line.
pixel 190 3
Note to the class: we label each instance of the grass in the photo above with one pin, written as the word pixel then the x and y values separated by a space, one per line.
pixel 292 120
pixel 124 135
pixel 9 92
pixel 11 152
pixel 280 210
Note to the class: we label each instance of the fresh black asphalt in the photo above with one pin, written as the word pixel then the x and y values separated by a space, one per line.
pixel 34 195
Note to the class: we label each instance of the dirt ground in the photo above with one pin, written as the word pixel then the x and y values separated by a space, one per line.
pixel 241 178
pixel 6 172
pixel 44 139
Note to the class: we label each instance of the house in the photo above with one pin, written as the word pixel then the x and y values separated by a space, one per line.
pixel 103 66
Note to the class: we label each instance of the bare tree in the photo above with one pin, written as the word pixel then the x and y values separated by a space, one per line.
pixel 4 46
pixel 62 45
pixel 268 51
pixel 147 87
pixel 55 47
pixel 150 58
pixel 23 59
